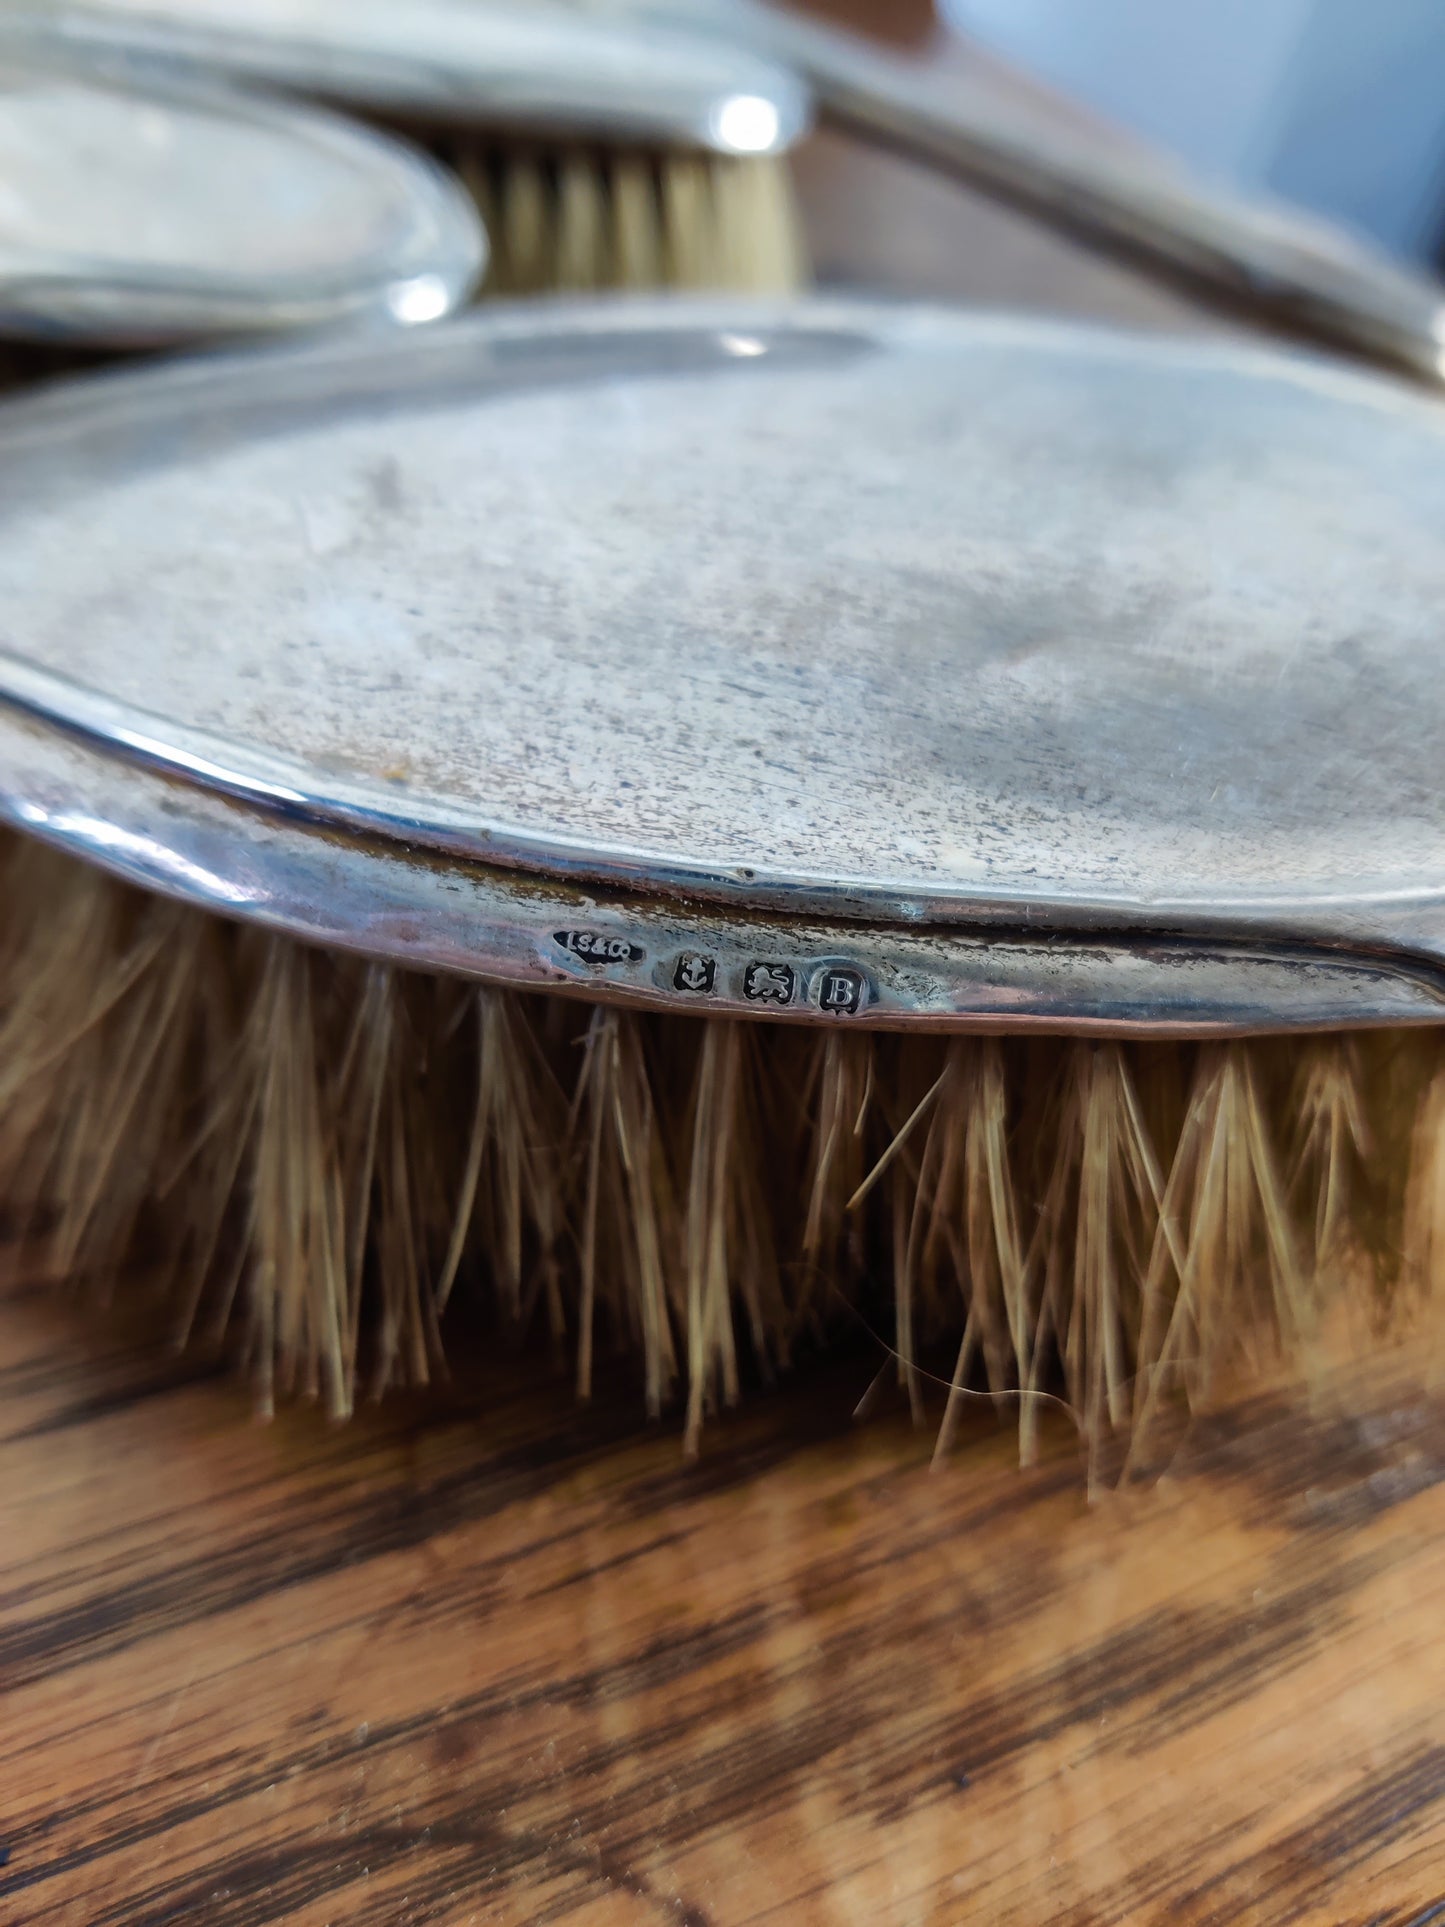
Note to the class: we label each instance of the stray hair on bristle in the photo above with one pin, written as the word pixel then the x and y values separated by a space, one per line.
pixel 319 1156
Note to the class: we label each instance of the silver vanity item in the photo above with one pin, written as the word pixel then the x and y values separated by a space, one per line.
pixel 829 661
pixel 510 64
pixel 1261 256
pixel 1269 257
pixel 735 76
pixel 141 208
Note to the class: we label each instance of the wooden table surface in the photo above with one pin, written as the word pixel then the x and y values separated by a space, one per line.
pixel 489 1657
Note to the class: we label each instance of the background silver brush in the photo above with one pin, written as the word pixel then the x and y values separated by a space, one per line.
pixel 604 150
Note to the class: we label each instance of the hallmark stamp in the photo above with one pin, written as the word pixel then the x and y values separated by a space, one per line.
pixel 765 983
pixel 694 972
pixel 842 991
pixel 595 947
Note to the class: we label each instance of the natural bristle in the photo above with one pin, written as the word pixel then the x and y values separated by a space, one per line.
pixel 322 1157
pixel 593 219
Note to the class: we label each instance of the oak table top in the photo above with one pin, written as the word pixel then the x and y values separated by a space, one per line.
pixel 491 1657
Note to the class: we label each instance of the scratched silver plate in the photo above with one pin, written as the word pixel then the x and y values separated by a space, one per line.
pixel 135 208
pixel 589 70
pixel 900 665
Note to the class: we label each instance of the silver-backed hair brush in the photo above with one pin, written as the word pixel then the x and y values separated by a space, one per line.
pixel 603 150
pixel 692 822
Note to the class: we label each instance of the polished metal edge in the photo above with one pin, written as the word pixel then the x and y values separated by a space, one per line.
pixel 420 909
pixel 1365 915
pixel 660 81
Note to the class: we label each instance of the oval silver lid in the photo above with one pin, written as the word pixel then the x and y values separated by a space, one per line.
pixel 879 616
pixel 501 63
pixel 138 209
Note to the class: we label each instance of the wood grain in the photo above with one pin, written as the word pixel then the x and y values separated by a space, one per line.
pixel 487 1657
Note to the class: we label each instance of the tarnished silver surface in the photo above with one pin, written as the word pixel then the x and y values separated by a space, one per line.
pixel 135 208
pixel 507 63
pixel 1023 672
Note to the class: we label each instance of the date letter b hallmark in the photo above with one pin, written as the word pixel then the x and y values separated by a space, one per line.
pixel 842 991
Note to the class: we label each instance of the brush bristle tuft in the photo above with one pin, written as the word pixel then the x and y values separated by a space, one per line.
pixel 584 219
pixel 319 1158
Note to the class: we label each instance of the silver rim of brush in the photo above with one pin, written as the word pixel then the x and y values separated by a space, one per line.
pixel 515 64
pixel 141 206
pixel 828 661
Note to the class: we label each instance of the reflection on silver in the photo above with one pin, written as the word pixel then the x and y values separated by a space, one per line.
pixel 426 298
pixel 922 669
pixel 747 124
pixel 134 854
pixel 137 208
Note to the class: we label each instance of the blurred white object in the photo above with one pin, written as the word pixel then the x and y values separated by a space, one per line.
pixel 138 209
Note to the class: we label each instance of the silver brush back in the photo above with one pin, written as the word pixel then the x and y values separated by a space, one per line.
pixel 833 662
